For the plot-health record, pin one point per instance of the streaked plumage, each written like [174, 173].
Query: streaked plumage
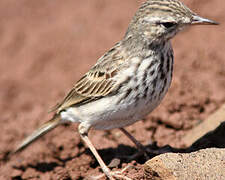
[130, 80]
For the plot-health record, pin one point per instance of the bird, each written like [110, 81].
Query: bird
[129, 81]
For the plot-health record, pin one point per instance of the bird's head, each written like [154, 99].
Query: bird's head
[160, 20]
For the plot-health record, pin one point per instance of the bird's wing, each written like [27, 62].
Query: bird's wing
[97, 82]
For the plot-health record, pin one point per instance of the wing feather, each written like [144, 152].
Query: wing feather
[98, 82]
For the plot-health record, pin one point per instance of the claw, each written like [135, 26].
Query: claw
[112, 175]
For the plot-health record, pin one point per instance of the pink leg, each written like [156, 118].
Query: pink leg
[83, 130]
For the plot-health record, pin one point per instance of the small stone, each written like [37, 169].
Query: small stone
[16, 173]
[114, 163]
[30, 173]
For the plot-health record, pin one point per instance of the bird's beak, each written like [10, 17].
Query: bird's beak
[197, 20]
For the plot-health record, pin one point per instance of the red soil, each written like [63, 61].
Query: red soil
[45, 46]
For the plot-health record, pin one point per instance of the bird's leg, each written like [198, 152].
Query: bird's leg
[83, 130]
[140, 147]
[143, 150]
[135, 141]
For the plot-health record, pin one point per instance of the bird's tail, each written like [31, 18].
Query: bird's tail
[46, 127]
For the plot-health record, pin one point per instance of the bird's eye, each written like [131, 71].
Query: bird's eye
[168, 24]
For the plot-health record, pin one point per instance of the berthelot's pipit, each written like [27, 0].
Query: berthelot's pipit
[130, 80]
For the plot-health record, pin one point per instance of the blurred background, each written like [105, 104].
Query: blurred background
[46, 46]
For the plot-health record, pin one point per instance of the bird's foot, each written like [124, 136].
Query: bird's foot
[112, 175]
[147, 152]
[136, 156]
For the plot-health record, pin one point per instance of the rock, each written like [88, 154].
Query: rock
[211, 123]
[207, 164]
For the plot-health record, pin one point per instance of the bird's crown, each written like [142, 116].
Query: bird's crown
[162, 19]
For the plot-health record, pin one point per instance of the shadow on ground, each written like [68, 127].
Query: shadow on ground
[114, 157]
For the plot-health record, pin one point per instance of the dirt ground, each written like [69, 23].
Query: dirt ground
[45, 46]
